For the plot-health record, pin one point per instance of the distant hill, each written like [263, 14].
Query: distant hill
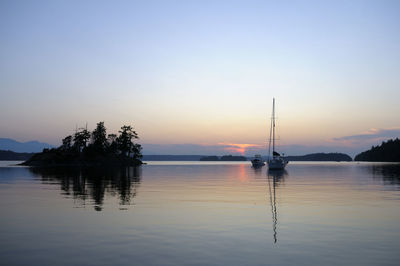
[223, 158]
[192, 158]
[233, 158]
[14, 156]
[210, 158]
[321, 157]
[388, 151]
[29, 146]
[308, 157]
[171, 157]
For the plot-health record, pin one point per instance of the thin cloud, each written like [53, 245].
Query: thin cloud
[201, 149]
[371, 135]
[238, 147]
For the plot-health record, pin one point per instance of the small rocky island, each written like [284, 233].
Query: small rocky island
[95, 148]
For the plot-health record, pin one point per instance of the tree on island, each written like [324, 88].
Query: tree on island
[99, 137]
[93, 148]
[66, 143]
[124, 141]
[81, 138]
[112, 143]
[388, 151]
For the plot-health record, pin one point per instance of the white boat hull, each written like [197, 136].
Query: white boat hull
[277, 164]
[257, 163]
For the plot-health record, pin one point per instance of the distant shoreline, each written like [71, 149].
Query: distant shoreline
[308, 157]
[12, 156]
[316, 157]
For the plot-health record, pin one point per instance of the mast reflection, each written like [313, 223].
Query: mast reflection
[274, 177]
[93, 183]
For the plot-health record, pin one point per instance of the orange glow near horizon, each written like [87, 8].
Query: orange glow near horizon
[242, 173]
[237, 147]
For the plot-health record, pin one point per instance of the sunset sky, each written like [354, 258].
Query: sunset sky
[198, 77]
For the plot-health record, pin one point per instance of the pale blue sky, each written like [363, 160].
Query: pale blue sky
[200, 72]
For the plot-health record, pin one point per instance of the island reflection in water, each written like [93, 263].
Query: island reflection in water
[92, 183]
[389, 173]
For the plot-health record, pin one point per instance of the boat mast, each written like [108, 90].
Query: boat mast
[270, 137]
[273, 125]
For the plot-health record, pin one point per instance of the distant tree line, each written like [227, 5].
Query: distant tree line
[388, 151]
[172, 157]
[223, 158]
[96, 146]
[336, 157]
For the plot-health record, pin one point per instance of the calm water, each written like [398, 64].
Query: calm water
[189, 213]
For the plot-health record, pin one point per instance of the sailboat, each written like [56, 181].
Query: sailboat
[276, 161]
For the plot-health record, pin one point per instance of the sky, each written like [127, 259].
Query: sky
[197, 77]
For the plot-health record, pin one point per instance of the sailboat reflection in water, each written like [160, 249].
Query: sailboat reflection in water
[274, 177]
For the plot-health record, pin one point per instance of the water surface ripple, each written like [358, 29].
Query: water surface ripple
[201, 213]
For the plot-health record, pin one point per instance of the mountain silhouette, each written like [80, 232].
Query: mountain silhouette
[29, 146]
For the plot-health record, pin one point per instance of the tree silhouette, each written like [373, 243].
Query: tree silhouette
[81, 137]
[112, 143]
[99, 137]
[137, 151]
[102, 150]
[66, 143]
[124, 140]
